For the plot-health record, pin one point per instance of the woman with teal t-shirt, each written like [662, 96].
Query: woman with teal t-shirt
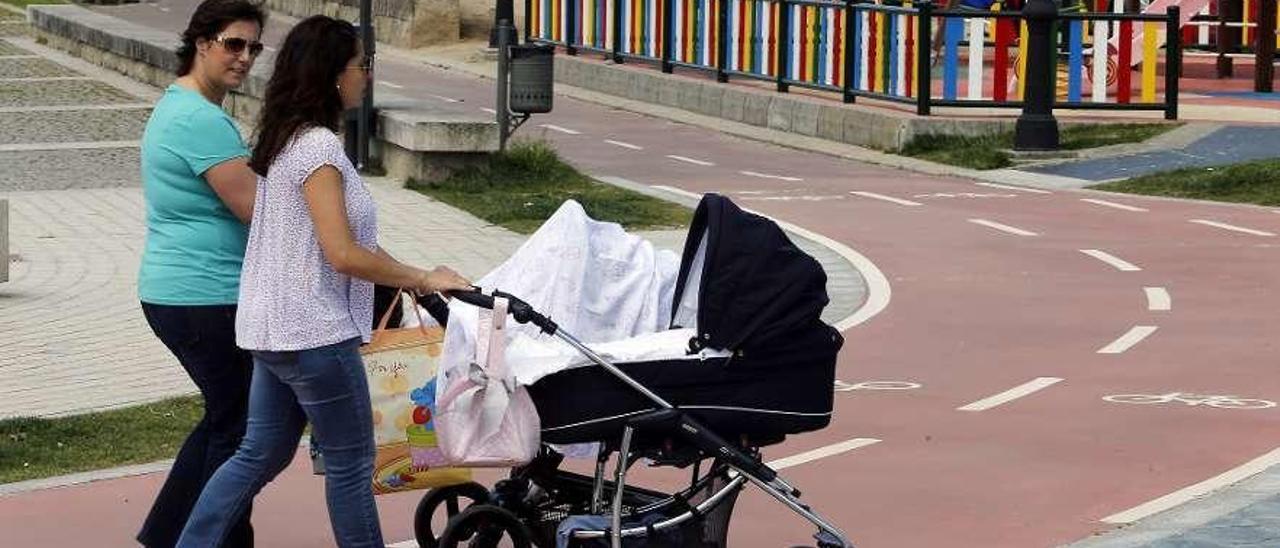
[199, 192]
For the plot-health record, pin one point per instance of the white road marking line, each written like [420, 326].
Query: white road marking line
[1011, 187]
[406, 544]
[879, 292]
[767, 176]
[445, 99]
[1003, 228]
[489, 110]
[1158, 298]
[1114, 205]
[690, 160]
[391, 85]
[1130, 338]
[564, 130]
[623, 145]
[821, 452]
[1235, 228]
[90, 145]
[1120, 264]
[1040, 383]
[41, 79]
[1192, 492]
[793, 198]
[875, 196]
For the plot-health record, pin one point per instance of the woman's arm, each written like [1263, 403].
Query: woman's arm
[323, 192]
[236, 185]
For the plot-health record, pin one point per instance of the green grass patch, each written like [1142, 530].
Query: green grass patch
[38, 448]
[520, 188]
[24, 3]
[1250, 183]
[992, 151]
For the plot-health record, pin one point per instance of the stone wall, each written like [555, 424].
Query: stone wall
[401, 23]
[4, 240]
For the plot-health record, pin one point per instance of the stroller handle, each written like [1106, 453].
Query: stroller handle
[521, 311]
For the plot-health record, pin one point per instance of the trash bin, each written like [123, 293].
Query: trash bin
[532, 78]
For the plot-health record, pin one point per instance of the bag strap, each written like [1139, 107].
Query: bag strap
[398, 301]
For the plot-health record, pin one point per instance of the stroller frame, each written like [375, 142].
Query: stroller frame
[668, 419]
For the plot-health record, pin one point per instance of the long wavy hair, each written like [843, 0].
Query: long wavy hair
[210, 18]
[303, 91]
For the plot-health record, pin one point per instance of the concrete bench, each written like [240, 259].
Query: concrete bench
[414, 139]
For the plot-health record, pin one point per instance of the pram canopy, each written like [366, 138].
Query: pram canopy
[752, 283]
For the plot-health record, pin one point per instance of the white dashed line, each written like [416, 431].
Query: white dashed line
[1192, 492]
[1158, 298]
[1234, 228]
[1126, 341]
[1011, 187]
[1011, 394]
[563, 130]
[690, 160]
[875, 196]
[767, 176]
[624, 145]
[1114, 205]
[489, 110]
[1003, 228]
[1112, 260]
[445, 99]
[391, 85]
[821, 452]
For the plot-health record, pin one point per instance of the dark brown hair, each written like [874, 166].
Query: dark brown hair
[302, 92]
[212, 17]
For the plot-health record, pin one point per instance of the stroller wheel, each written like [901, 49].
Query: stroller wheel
[486, 526]
[452, 499]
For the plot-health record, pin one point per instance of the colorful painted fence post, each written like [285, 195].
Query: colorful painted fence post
[1173, 63]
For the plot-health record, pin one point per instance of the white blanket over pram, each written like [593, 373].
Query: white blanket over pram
[593, 279]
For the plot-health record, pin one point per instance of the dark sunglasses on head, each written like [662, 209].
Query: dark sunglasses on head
[236, 46]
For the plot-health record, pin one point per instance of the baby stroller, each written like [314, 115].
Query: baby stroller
[756, 296]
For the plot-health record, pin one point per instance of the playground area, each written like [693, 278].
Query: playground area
[953, 56]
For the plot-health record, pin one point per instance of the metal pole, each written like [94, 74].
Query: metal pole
[1228, 35]
[505, 9]
[924, 68]
[1265, 65]
[366, 107]
[617, 31]
[668, 20]
[571, 28]
[1172, 62]
[722, 50]
[847, 44]
[1037, 129]
[504, 30]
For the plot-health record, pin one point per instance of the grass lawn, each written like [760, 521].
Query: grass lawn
[24, 3]
[992, 151]
[39, 448]
[521, 188]
[1252, 183]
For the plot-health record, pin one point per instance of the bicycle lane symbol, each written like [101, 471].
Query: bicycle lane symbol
[841, 386]
[1192, 400]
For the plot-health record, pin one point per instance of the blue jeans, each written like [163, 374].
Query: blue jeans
[326, 386]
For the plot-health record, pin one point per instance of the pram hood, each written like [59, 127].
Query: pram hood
[752, 282]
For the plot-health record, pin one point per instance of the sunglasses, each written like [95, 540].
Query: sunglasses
[236, 46]
[366, 65]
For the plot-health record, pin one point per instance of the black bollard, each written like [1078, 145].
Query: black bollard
[1037, 129]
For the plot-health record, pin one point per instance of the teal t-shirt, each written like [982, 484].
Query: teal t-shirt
[195, 245]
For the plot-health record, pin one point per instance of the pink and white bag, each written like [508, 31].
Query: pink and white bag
[484, 418]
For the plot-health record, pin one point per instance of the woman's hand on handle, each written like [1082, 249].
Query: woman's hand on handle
[441, 279]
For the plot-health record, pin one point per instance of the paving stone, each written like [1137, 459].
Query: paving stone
[9, 49]
[69, 169]
[33, 68]
[73, 126]
[25, 94]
